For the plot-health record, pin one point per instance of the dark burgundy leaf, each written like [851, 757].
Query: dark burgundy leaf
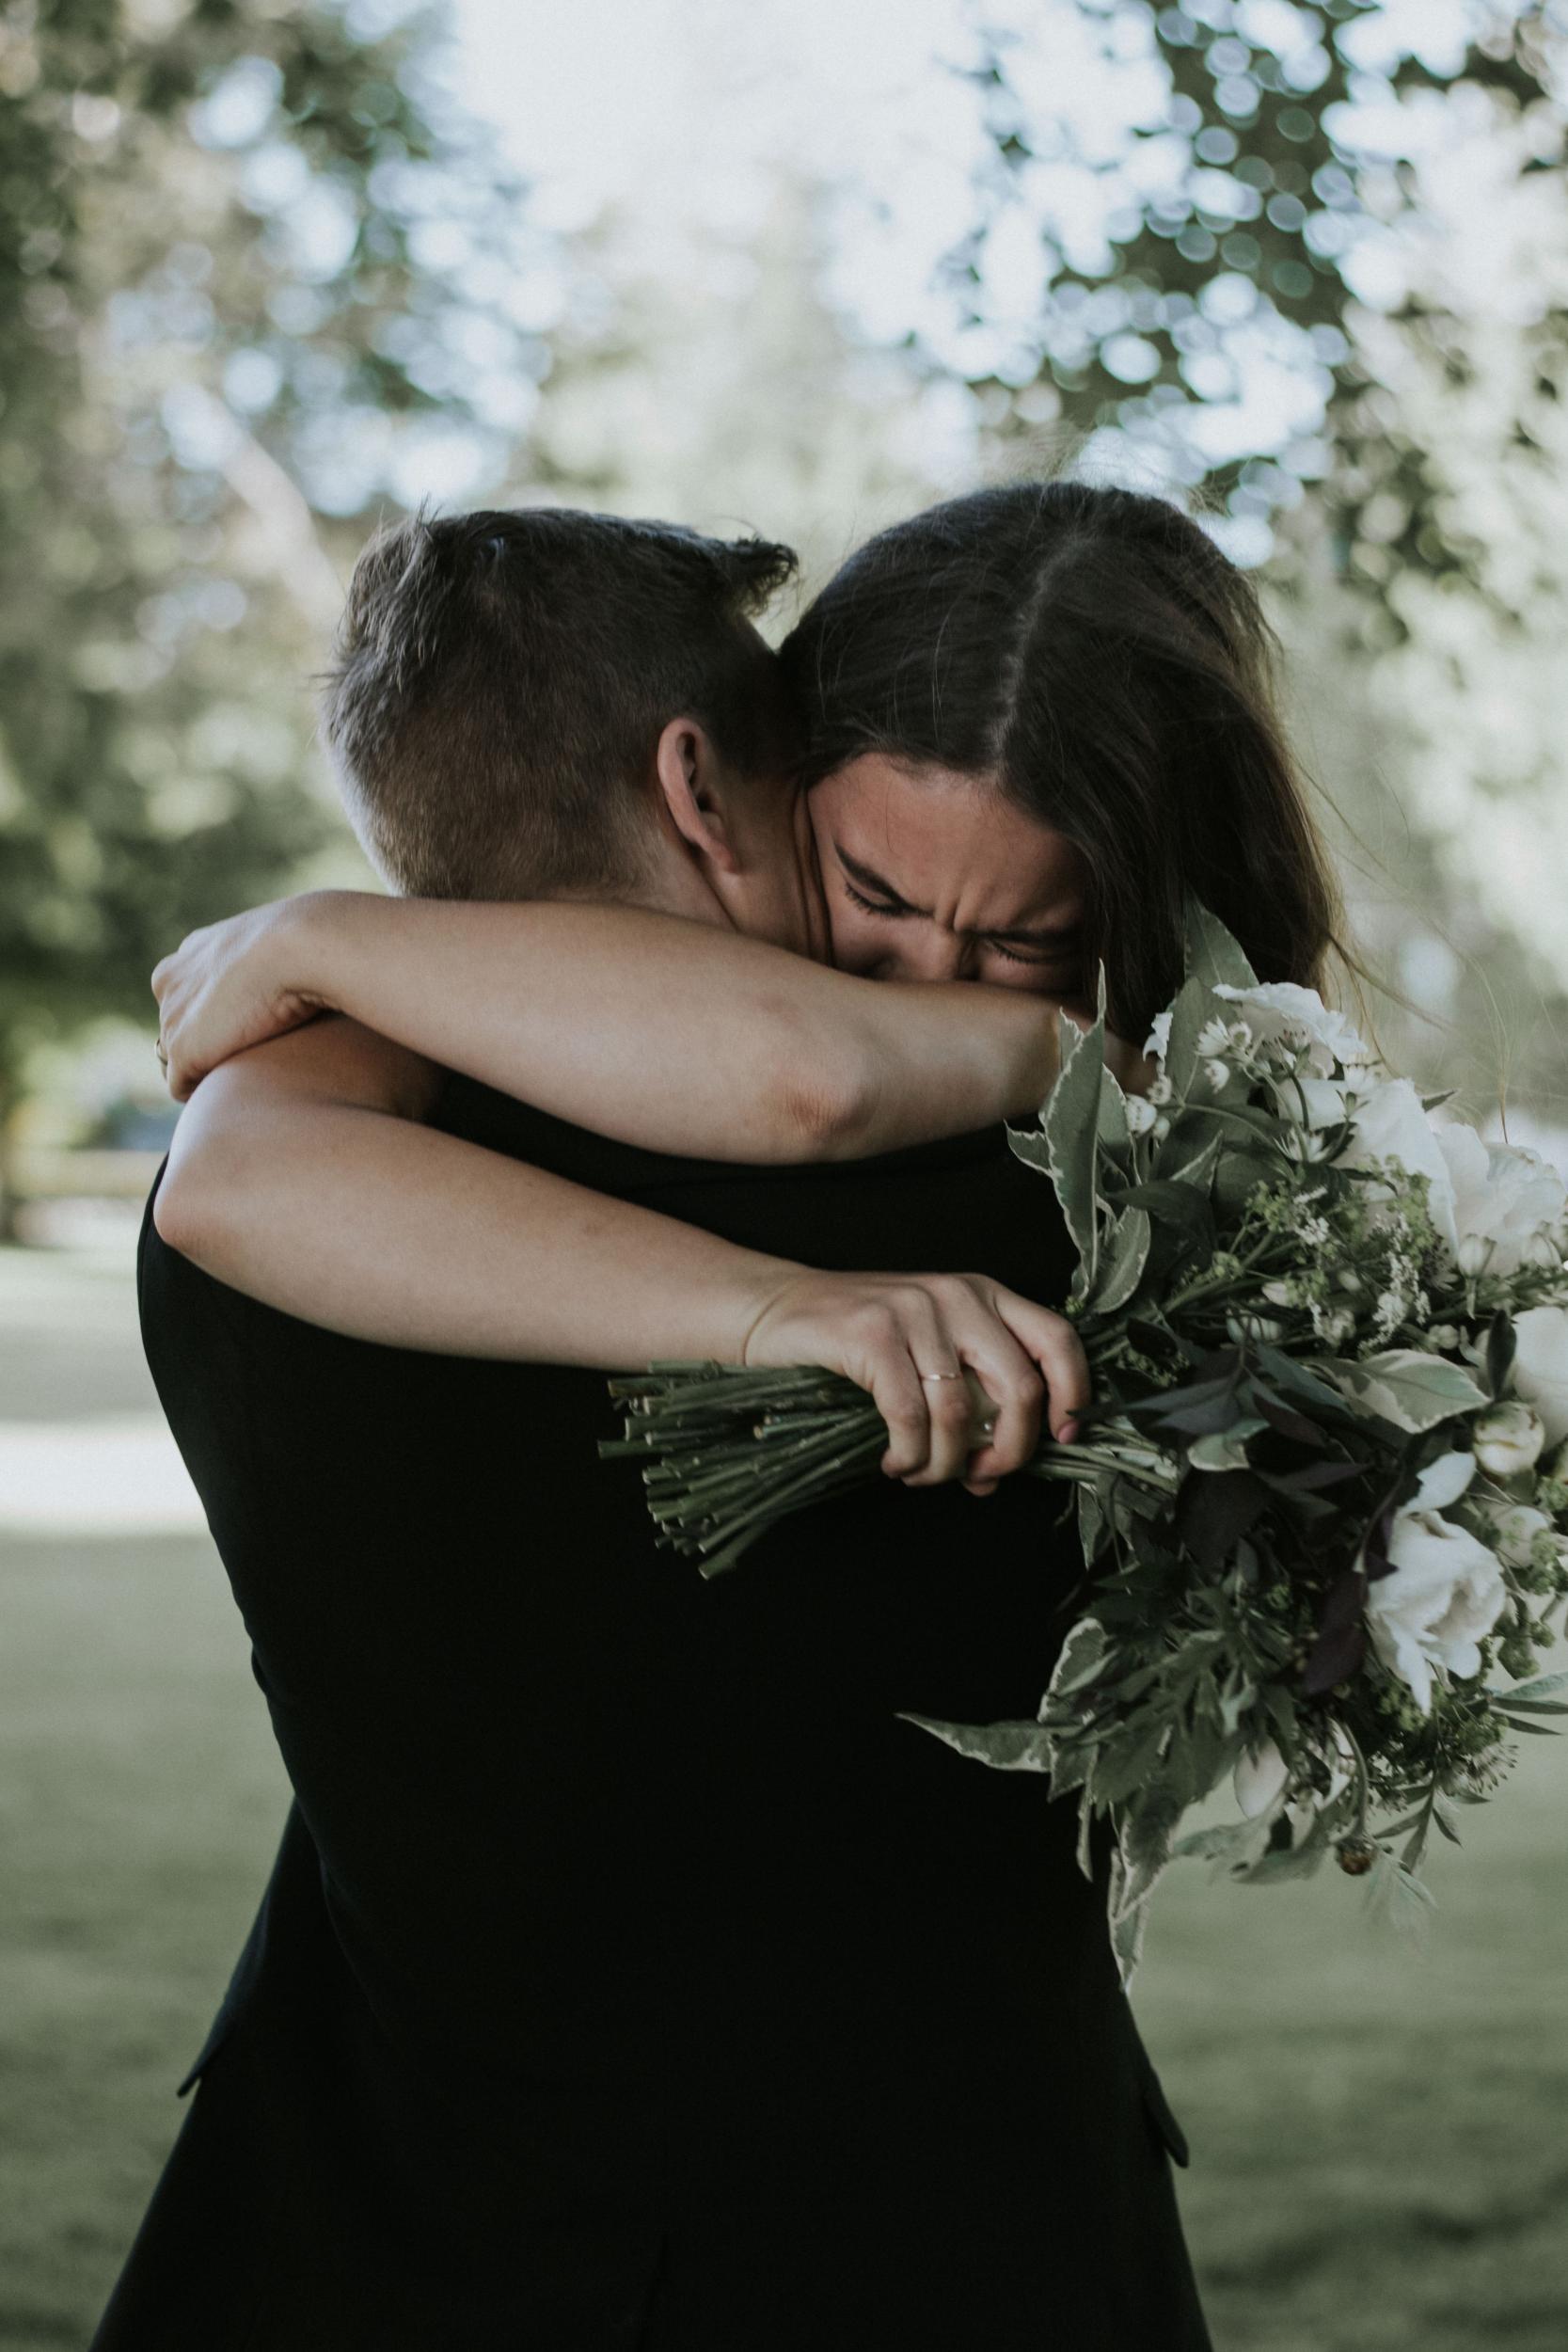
[1313, 1476]
[1215, 1509]
[1341, 1643]
[1289, 1423]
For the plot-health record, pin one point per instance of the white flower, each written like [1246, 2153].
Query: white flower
[1334, 1325]
[1318, 1101]
[1160, 1088]
[1516, 1531]
[1391, 1125]
[1303, 1145]
[1218, 1074]
[1279, 1008]
[1502, 1196]
[1446, 1591]
[1443, 1481]
[1445, 1337]
[1141, 1114]
[1158, 1041]
[1258, 1777]
[1214, 1039]
[1509, 1439]
[1541, 1366]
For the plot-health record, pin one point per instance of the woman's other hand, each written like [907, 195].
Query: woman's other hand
[909, 1340]
[232, 985]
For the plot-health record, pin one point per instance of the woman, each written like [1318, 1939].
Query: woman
[1037, 719]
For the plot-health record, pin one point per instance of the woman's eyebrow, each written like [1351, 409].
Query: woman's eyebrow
[870, 881]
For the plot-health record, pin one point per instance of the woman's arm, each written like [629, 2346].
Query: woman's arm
[298, 1175]
[672, 1035]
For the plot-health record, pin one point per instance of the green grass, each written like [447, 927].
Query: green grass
[1380, 2149]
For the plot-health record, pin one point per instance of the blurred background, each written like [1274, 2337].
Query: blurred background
[272, 269]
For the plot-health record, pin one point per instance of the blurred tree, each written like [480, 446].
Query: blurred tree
[710, 379]
[246, 255]
[1188, 210]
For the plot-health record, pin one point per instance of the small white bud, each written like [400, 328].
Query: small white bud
[1509, 1439]
[1475, 1255]
[1516, 1532]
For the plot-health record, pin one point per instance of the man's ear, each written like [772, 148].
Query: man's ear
[691, 786]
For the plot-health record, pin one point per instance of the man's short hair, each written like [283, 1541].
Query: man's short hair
[500, 681]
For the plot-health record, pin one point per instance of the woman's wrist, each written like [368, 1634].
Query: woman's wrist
[321, 941]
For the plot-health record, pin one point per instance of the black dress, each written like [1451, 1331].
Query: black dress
[630, 1975]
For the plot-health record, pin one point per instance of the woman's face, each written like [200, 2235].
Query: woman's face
[930, 875]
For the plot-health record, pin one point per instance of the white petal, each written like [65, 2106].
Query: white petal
[1259, 1779]
[1443, 1481]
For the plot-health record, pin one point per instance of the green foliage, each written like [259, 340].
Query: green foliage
[1243, 211]
[213, 290]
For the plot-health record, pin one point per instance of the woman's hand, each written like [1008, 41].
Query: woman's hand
[232, 985]
[910, 1339]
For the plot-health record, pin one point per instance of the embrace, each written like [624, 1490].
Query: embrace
[630, 1973]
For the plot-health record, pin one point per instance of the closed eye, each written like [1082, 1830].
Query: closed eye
[872, 906]
[1044, 959]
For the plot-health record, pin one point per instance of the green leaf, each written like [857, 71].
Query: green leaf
[1186, 1159]
[1006, 1747]
[1122, 1262]
[1092, 1525]
[1225, 1449]
[1125, 1764]
[1115, 1136]
[1227, 1842]
[1071, 1125]
[1082, 1660]
[1544, 1687]
[1128, 1923]
[1213, 955]
[1194, 1007]
[1407, 1387]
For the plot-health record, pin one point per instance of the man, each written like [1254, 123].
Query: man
[507, 2060]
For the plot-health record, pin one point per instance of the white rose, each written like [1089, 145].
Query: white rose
[1541, 1366]
[1323, 1101]
[1258, 1777]
[1443, 1481]
[1501, 1195]
[1445, 1592]
[1279, 1009]
[1508, 1438]
[1391, 1125]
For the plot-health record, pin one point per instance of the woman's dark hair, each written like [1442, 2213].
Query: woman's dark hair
[1091, 651]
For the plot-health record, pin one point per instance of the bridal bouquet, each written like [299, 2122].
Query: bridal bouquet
[1324, 1490]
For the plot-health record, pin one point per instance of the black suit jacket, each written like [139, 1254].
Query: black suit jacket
[630, 1973]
